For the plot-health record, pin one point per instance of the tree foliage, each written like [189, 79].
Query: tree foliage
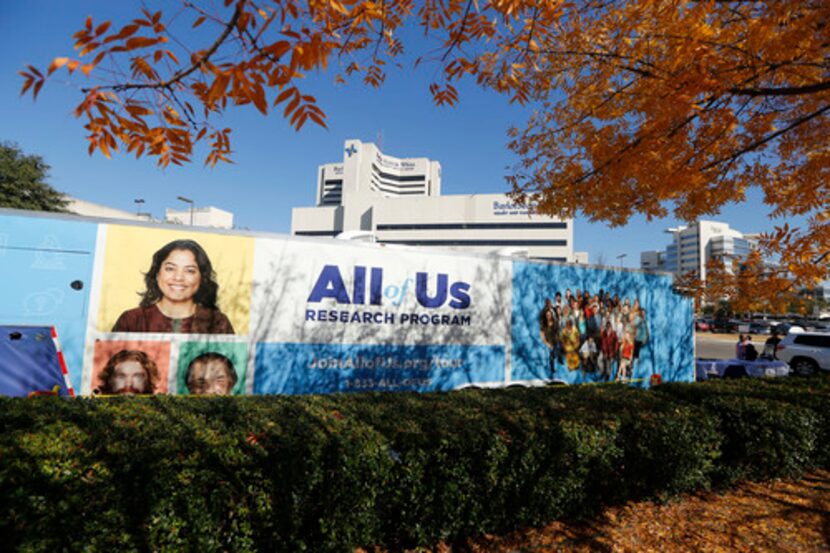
[637, 106]
[23, 181]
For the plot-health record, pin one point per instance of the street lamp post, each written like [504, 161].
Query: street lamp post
[138, 203]
[187, 201]
[621, 257]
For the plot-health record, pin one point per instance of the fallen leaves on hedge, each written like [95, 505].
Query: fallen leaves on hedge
[754, 517]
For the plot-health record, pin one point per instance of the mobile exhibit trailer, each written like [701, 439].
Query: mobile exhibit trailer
[296, 315]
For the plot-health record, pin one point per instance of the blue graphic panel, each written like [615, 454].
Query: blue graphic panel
[324, 368]
[668, 351]
[46, 271]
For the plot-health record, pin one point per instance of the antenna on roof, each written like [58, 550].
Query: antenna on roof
[379, 139]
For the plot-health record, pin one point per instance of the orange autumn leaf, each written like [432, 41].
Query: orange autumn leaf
[56, 64]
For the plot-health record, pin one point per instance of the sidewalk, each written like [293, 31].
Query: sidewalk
[731, 337]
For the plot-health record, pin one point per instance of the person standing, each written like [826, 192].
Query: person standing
[750, 353]
[557, 302]
[739, 347]
[771, 346]
[640, 331]
[618, 325]
[548, 306]
[581, 325]
[626, 357]
[570, 345]
[588, 354]
[549, 329]
[609, 346]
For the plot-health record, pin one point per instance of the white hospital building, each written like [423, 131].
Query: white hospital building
[399, 200]
[693, 246]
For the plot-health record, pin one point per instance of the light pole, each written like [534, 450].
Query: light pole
[138, 203]
[187, 201]
[621, 257]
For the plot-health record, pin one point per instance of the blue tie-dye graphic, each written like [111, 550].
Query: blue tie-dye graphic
[668, 351]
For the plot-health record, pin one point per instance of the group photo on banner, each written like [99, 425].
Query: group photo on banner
[578, 324]
[593, 332]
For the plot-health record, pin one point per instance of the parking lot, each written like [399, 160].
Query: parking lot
[721, 346]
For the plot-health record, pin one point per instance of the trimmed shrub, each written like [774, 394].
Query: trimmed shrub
[669, 449]
[331, 473]
[770, 428]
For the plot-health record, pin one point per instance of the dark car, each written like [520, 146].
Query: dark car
[702, 325]
[760, 327]
[784, 328]
[725, 326]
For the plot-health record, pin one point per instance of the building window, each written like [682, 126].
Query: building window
[317, 232]
[477, 242]
[468, 226]
[398, 178]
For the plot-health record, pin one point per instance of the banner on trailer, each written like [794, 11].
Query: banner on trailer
[587, 324]
[342, 317]
[271, 315]
[152, 309]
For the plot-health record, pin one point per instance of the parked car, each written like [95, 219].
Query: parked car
[785, 328]
[723, 325]
[760, 327]
[702, 325]
[816, 325]
[806, 352]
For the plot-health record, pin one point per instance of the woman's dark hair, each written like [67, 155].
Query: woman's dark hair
[149, 366]
[205, 295]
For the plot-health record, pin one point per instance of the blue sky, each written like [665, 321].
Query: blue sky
[275, 166]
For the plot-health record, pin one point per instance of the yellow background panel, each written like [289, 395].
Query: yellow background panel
[129, 254]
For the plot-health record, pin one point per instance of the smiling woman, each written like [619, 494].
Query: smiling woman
[180, 295]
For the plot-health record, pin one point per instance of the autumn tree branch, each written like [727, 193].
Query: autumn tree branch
[179, 76]
[456, 40]
[772, 136]
[782, 91]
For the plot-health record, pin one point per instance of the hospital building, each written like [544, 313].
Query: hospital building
[399, 201]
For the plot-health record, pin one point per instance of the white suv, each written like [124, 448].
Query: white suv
[806, 352]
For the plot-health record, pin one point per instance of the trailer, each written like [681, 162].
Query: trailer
[183, 310]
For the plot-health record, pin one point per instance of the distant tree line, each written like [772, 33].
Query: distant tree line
[23, 181]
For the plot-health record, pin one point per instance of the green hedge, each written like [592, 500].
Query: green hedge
[330, 473]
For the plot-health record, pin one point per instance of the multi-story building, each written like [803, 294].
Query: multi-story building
[692, 247]
[653, 260]
[399, 200]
